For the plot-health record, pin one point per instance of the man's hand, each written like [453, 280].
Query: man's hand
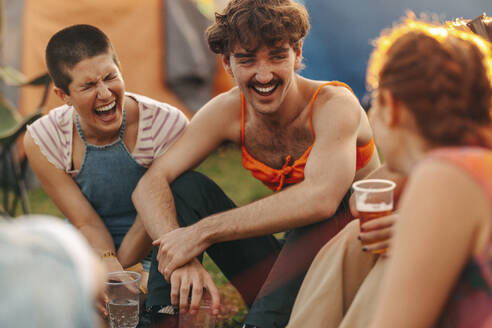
[193, 276]
[377, 233]
[177, 248]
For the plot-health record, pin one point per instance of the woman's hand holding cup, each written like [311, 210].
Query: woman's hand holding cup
[374, 207]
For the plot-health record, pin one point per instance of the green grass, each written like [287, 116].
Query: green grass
[41, 204]
[225, 168]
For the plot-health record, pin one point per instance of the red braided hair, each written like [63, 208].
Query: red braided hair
[441, 75]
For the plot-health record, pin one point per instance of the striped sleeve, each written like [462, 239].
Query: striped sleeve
[160, 125]
[53, 133]
[168, 130]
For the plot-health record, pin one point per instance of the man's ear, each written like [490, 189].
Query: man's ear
[298, 53]
[226, 61]
[62, 95]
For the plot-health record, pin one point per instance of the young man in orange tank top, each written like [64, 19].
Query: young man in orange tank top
[261, 44]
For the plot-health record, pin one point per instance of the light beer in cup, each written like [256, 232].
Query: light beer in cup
[373, 199]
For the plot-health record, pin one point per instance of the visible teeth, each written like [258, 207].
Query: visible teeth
[265, 90]
[105, 108]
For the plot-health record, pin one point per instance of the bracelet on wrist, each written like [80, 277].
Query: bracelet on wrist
[108, 253]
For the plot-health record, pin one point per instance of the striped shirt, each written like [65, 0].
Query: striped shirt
[159, 125]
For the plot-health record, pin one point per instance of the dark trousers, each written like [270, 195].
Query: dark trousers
[267, 275]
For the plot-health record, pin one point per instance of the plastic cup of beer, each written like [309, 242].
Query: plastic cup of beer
[373, 199]
[122, 288]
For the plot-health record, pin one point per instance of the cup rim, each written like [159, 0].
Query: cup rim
[137, 276]
[391, 186]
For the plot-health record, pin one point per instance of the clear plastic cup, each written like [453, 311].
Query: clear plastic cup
[122, 288]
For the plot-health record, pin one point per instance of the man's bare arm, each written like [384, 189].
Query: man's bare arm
[329, 173]
[152, 197]
[154, 201]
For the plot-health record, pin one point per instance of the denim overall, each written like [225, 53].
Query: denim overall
[107, 177]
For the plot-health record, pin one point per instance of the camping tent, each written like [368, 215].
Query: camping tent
[159, 43]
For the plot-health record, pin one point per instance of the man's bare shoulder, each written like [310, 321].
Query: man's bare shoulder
[227, 102]
[329, 94]
[337, 103]
[223, 112]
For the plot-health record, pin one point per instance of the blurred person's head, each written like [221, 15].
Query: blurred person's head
[431, 88]
[50, 276]
[250, 24]
[86, 74]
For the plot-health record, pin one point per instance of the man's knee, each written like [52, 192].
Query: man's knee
[189, 180]
[195, 185]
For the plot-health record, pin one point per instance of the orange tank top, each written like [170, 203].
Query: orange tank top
[276, 179]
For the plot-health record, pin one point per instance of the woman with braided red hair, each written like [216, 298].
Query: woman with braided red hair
[432, 95]
[431, 115]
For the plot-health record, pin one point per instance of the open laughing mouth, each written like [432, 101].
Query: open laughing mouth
[265, 90]
[106, 109]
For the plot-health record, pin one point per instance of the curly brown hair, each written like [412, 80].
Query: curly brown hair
[253, 23]
[442, 75]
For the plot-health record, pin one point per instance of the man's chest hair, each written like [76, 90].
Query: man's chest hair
[272, 146]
